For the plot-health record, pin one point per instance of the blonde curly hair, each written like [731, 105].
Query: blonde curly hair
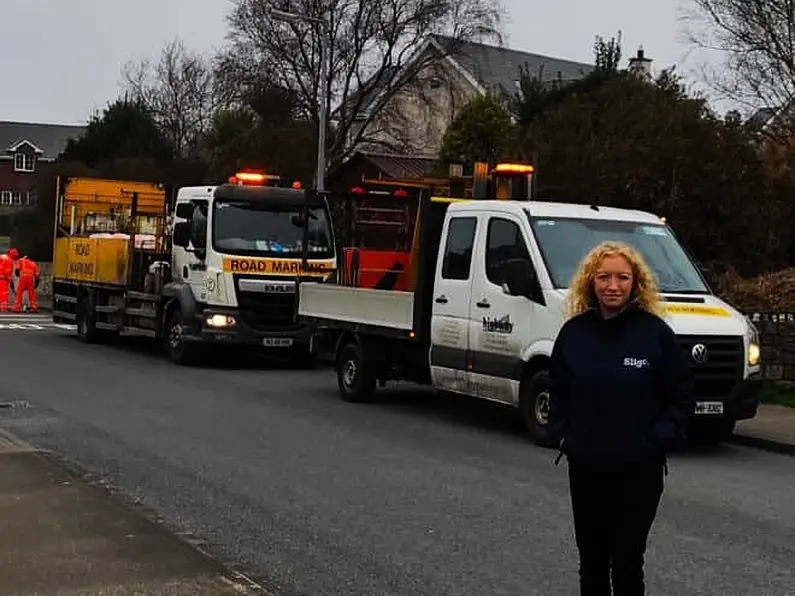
[644, 291]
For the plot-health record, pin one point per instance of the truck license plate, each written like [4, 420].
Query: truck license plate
[709, 407]
[277, 342]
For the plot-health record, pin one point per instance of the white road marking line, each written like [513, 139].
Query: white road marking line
[33, 325]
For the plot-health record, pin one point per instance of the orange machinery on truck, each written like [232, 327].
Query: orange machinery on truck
[378, 227]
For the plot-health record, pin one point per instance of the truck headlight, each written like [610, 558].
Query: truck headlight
[220, 321]
[754, 351]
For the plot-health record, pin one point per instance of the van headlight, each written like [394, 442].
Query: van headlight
[754, 355]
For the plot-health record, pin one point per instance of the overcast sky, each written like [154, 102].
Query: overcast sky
[61, 59]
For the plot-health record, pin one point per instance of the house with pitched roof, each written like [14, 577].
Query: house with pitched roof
[444, 74]
[23, 147]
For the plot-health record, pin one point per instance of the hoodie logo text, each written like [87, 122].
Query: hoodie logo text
[636, 362]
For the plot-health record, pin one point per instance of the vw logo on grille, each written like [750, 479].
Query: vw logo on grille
[700, 353]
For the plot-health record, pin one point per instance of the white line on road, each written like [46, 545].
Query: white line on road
[32, 322]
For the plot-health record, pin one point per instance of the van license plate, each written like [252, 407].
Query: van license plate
[277, 342]
[709, 407]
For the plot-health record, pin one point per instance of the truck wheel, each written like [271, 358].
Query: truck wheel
[179, 351]
[86, 322]
[356, 383]
[534, 406]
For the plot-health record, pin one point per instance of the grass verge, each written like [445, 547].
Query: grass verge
[780, 394]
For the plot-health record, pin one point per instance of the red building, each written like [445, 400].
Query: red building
[23, 148]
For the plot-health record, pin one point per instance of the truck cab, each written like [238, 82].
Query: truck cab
[238, 251]
[492, 275]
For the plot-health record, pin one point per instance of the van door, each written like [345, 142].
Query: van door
[502, 324]
[450, 314]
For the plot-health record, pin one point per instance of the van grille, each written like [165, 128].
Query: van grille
[722, 369]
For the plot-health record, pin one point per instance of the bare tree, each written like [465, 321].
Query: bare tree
[757, 38]
[179, 90]
[370, 43]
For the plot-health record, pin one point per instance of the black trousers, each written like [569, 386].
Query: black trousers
[613, 514]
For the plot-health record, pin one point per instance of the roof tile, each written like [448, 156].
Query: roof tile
[50, 138]
[400, 166]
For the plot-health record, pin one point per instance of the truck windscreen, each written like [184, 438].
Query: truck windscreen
[565, 241]
[261, 230]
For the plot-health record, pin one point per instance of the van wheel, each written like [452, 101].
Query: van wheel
[534, 404]
[355, 381]
[179, 351]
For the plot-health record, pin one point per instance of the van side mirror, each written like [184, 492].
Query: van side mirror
[518, 277]
[181, 236]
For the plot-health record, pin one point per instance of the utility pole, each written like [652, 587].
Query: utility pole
[325, 67]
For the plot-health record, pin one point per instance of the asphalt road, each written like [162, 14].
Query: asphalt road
[418, 495]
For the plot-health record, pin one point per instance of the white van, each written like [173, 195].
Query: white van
[491, 284]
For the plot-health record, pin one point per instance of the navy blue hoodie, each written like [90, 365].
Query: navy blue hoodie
[621, 389]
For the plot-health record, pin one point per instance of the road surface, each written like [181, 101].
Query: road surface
[417, 495]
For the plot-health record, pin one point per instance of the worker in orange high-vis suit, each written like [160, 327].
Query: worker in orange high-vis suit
[28, 272]
[6, 279]
[7, 265]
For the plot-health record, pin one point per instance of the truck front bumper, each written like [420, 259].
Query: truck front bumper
[227, 326]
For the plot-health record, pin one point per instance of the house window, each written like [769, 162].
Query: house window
[5, 197]
[24, 162]
[32, 197]
[17, 197]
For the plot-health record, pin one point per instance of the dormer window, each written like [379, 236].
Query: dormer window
[24, 162]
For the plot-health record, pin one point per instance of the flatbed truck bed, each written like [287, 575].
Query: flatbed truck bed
[391, 311]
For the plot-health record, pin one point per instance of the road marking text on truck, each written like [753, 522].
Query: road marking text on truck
[82, 249]
[81, 269]
[275, 266]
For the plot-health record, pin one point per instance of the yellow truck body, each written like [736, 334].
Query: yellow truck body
[96, 231]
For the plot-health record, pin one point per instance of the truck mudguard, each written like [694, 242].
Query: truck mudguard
[182, 293]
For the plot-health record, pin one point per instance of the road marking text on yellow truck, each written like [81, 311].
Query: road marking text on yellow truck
[276, 266]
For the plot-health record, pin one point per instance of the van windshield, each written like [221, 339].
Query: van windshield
[565, 241]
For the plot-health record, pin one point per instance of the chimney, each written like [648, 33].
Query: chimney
[640, 65]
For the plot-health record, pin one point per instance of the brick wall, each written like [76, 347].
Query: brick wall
[778, 344]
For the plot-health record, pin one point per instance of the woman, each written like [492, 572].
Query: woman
[620, 399]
